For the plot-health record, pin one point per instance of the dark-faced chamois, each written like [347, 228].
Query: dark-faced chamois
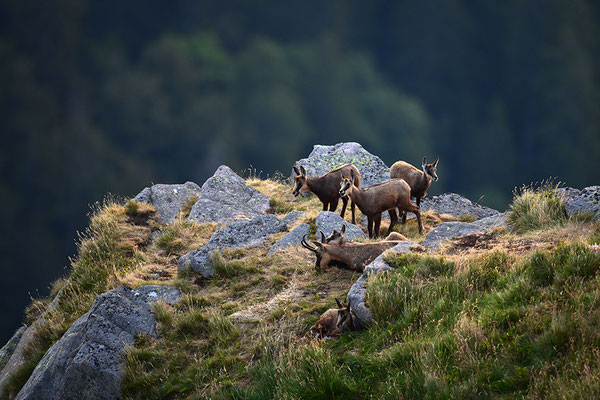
[419, 181]
[349, 255]
[336, 321]
[338, 237]
[326, 187]
[385, 196]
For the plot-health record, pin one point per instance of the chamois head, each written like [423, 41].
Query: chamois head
[346, 184]
[344, 321]
[300, 185]
[336, 237]
[430, 169]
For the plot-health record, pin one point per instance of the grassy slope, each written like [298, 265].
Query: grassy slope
[500, 315]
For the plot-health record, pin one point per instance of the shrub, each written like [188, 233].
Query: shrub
[537, 208]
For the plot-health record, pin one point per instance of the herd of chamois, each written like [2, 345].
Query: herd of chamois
[343, 183]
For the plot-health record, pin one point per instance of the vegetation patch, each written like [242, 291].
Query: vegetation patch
[535, 208]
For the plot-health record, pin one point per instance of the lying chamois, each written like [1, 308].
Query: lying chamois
[325, 187]
[337, 237]
[419, 181]
[374, 200]
[354, 256]
[336, 321]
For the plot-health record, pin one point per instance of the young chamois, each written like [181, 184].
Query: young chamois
[385, 196]
[350, 255]
[419, 181]
[337, 237]
[336, 321]
[325, 187]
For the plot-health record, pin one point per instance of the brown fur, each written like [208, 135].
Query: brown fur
[381, 197]
[326, 187]
[418, 180]
[335, 321]
[355, 256]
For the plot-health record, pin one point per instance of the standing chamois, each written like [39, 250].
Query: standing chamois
[326, 186]
[385, 196]
[419, 181]
[350, 255]
[336, 321]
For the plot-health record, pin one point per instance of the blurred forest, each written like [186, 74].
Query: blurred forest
[110, 96]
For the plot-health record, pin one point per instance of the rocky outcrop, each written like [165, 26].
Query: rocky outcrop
[358, 291]
[238, 234]
[292, 217]
[456, 205]
[87, 362]
[499, 220]
[168, 199]
[9, 348]
[294, 237]
[225, 196]
[585, 201]
[325, 158]
[327, 221]
[449, 230]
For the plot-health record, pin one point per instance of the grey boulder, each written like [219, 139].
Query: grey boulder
[88, 362]
[168, 199]
[449, 230]
[325, 158]
[357, 294]
[241, 233]
[292, 217]
[225, 196]
[294, 237]
[9, 348]
[499, 220]
[456, 205]
[585, 201]
[327, 221]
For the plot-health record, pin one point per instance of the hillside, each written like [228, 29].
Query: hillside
[505, 305]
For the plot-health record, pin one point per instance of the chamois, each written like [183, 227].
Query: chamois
[325, 187]
[353, 256]
[336, 321]
[419, 181]
[378, 198]
[337, 237]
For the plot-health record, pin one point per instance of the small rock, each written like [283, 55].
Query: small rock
[168, 199]
[325, 158]
[586, 201]
[225, 197]
[241, 233]
[449, 230]
[327, 221]
[495, 221]
[292, 217]
[292, 238]
[88, 362]
[456, 205]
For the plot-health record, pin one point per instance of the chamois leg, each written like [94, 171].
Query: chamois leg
[333, 205]
[417, 212]
[402, 216]
[377, 219]
[325, 206]
[370, 226]
[393, 220]
[352, 208]
[344, 204]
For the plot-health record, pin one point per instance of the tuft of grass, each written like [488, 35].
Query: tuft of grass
[537, 208]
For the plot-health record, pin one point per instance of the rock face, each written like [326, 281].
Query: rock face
[325, 158]
[168, 199]
[9, 348]
[456, 205]
[358, 291]
[327, 221]
[499, 220]
[225, 197]
[581, 201]
[449, 230]
[291, 239]
[292, 217]
[238, 234]
[87, 362]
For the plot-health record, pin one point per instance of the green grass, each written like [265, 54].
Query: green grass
[537, 208]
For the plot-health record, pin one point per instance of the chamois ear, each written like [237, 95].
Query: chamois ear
[338, 303]
[424, 161]
[352, 176]
[303, 171]
[296, 170]
[343, 229]
[322, 237]
[436, 161]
